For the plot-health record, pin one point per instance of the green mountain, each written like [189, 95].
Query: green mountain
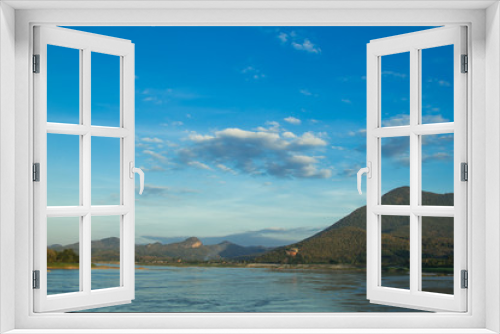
[345, 241]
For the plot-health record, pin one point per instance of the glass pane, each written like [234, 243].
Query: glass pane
[395, 89]
[437, 170]
[437, 84]
[63, 170]
[105, 252]
[437, 254]
[396, 251]
[395, 168]
[105, 171]
[105, 90]
[63, 248]
[63, 85]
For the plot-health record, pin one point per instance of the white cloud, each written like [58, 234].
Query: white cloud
[347, 101]
[225, 168]
[307, 46]
[434, 119]
[339, 148]
[272, 126]
[256, 153]
[253, 73]
[154, 155]
[293, 39]
[288, 134]
[397, 120]
[199, 165]
[293, 120]
[152, 140]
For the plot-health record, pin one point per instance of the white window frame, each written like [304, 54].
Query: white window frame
[86, 44]
[483, 124]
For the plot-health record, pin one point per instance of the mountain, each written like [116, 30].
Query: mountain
[191, 249]
[345, 241]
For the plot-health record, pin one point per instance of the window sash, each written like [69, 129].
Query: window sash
[86, 297]
[413, 43]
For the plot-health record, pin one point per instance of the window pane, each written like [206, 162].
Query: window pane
[105, 252]
[105, 90]
[437, 84]
[395, 168]
[105, 171]
[437, 254]
[395, 89]
[63, 85]
[396, 251]
[437, 169]
[63, 170]
[63, 248]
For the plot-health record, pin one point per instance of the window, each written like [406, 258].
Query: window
[228, 147]
[481, 280]
[72, 144]
[414, 217]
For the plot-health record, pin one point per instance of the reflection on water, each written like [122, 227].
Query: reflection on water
[202, 289]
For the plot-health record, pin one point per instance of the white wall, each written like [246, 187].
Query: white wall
[7, 160]
[492, 156]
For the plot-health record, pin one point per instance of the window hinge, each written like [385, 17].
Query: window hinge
[465, 64]
[36, 279]
[36, 63]
[464, 171]
[36, 172]
[465, 279]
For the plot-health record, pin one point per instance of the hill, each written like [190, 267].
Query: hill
[191, 249]
[345, 241]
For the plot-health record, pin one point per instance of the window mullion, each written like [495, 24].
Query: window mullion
[85, 178]
[414, 170]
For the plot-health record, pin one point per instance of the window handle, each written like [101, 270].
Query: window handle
[139, 171]
[368, 171]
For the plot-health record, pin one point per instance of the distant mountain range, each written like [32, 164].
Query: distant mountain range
[191, 249]
[342, 243]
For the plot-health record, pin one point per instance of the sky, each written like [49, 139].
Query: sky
[251, 134]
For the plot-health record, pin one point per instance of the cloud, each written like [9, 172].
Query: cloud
[155, 155]
[434, 118]
[166, 95]
[225, 168]
[347, 101]
[397, 149]
[288, 134]
[404, 119]
[251, 72]
[307, 92]
[297, 42]
[272, 126]
[340, 148]
[394, 74]
[199, 165]
[397, 120]
[257, 153]
[306, 45]
[438, 156]
[153, 169]
[162, 191]
[152, 140]
[293, 120]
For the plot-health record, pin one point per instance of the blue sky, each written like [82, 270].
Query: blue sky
[249, 131]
